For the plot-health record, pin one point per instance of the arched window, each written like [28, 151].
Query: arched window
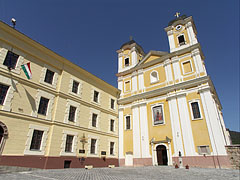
[154, 77]
[3, 135]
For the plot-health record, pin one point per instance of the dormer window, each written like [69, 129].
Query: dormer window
[126, 61]
[181, 40]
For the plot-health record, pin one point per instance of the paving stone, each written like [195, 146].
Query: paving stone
[126, 173]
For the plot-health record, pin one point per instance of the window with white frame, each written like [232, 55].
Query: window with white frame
[128, 122]
[43, 106]
[11, 60]
[112, 122]
[96, 96]
[181, 40]
[75, 87]
[44, 102]
[112, 103]
[126, 62]
[158, 114]
[127, 86]
[7, 89]
[112, 148]
[49, 76]
[187, 67]
[93, 146]
[154, 77]
[69, 143]
[3, 92]
[195, 110]
[36, 141]
[94, 120]
[204, 150]
[72, 113]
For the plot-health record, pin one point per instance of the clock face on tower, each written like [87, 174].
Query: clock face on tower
[178, 27]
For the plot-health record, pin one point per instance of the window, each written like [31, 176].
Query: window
[203, 150]
[158, 115]
[111, 125]
[126, 61]
[181, 40]
[128, 122]
[187, 68]
[11, 60]
[154, 77]
[95, 96]
[36, 140]
[127, 86]
[112, 103]
[72, 111]
[75, 87]
[3, 93]
[195, 110]
[49, 76]
[42, 109]
[93, 146]
[111, 148]
[69, 141]
[94, 120]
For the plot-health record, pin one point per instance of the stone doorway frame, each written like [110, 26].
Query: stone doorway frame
[167, 144]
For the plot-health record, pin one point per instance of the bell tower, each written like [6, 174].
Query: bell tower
[181, 32]
[129, 54]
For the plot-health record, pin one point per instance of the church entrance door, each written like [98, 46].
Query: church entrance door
[162, 155]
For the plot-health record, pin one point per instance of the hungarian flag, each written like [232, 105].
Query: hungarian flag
[27, 70]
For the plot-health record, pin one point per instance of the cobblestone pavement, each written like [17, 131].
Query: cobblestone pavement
[139, 173]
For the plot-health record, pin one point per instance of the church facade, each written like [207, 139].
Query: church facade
[169, 111]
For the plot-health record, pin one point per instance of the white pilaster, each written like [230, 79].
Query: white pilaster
[136, 132]
[134, 56]
[134, 81]
[186, 126]
[171, 40]
[141, 79]
[120, 63]
[176, 68]
[175, 123]
[191, 34]
[144, 131]
[168, 70]
[198, 60]
[120, 128]
[213, 124]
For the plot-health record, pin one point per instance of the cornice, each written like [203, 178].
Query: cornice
[164, 90]
[52, 122]
[161, 58]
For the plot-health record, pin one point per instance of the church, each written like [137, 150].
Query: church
[54, 114]
[169, 111]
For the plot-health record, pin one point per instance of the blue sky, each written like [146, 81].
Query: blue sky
[88, 33]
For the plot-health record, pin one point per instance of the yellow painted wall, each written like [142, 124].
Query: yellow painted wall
[175, 35]
[159, 132]
[127, 134]
[199, 127]
[151, 58]
[161, 76]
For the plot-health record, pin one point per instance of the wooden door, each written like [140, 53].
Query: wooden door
[162, 155]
